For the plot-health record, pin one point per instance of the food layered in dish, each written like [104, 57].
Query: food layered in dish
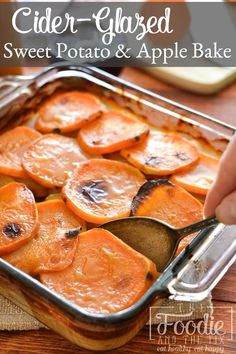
[106, 275]
[80, 162]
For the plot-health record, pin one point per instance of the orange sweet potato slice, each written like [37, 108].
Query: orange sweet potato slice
[18, 216]
[53, 248]
[200, 178]
[100, 190]
[162, 154]
[111, 132]
[13, 144]
[170, 203]
[51, 158]
[185, 242]
[38, 190]
[5, 180]
[106, 275]
[68, 111]
[53, 196]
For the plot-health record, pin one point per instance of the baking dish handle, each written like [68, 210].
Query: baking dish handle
[14, 92]
[198, 268]
[9, 84]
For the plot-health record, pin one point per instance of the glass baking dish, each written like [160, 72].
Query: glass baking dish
[193, 273]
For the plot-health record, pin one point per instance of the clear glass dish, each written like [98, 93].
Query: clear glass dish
[192, 274]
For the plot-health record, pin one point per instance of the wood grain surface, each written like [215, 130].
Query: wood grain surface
[223, 106]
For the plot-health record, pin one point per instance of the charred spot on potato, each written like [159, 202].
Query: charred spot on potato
[12, 230]
[73, 232]
[137, 138]
[94, 191]
[153, 160]
[181, 156]
[149, 276]
[145, 190]
[97, 142]
[56, 131]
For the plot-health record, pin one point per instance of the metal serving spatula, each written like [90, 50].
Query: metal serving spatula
[153, 238]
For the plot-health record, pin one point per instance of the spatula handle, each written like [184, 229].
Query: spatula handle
[197, 226]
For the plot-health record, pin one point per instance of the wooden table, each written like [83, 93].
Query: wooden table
[223, 106]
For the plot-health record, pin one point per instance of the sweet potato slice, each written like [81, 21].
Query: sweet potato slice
[38, 190]
[18, 216]
[5, 180]
[170, 203]
[184, 243]
[111, 132]
[106, 275]
[68, 111]
[162, 154]
[100, 190]
[53, 248]
[13, 144]
[50, 159]
[53, 196]
[200, 178]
